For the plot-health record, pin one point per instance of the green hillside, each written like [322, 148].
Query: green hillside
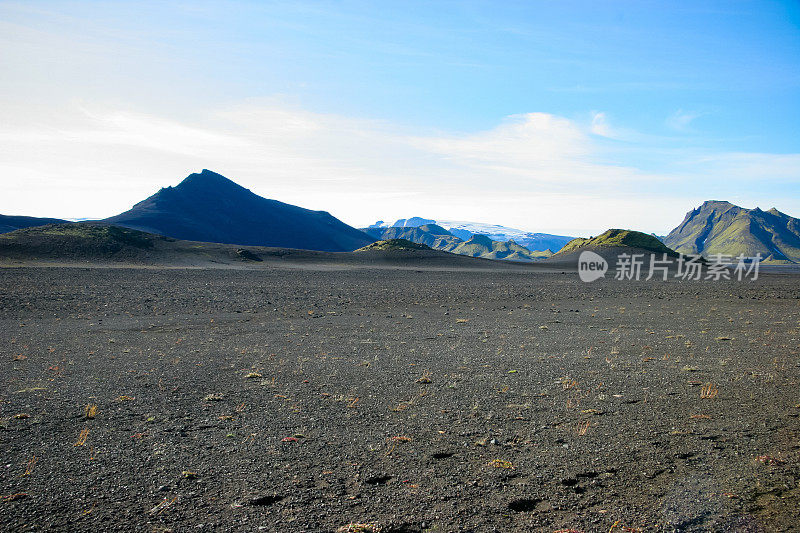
[723, 228]
[618, 238]
[439, 238]
[394, 244]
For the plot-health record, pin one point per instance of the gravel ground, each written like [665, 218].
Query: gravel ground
[308, 400]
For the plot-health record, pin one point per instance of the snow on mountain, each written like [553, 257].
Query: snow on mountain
[465, 230]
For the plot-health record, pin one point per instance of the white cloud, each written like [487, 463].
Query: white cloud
[757, 167]
[600, 125]
[681, 120]
[534, 171]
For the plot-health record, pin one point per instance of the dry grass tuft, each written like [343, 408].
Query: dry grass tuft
[360, 528]
[14, 497]
[124, 398]
[501, 463]
[708, 391]
[90, 411]
[82, 437]
[29, 467]
[620, 527]
[425, 378]
[567, 384]
[166, 502]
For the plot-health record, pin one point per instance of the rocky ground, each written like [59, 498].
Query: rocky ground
[396, 400]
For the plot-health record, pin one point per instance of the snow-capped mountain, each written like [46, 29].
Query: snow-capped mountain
[465, 230]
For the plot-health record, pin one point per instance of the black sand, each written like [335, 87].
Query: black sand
[307, 399]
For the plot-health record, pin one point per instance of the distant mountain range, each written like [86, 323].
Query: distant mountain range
[209, 207]
[465, 230]
[723, 228]
[82, 243]
[476, 245]
[12, 223]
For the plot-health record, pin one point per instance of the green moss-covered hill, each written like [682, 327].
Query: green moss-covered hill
[79, 239]
[723, 228]
[619, 238]
[394, 244]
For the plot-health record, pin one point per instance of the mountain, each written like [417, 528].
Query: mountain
[96, 243]
[209, 207]
[483, 246]
[12, 223]
[412, 222]
[614, 242]
[718, 227]
[439, 238]
[465, 230]
[394, 245]
[429, 234]
[84, 241]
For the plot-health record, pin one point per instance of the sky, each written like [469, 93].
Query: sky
[565, 117]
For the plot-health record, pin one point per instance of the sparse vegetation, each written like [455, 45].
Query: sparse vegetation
[708, 391]
[618, 238]
[425, 378]
[82, 437]
[501, 463]
[214, 397]
[90, 411]
[395, 245]
[356, 527]
[29, 466]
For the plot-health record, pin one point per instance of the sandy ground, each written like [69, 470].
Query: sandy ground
[406, 400]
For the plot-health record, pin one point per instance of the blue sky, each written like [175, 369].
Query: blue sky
[556, 116]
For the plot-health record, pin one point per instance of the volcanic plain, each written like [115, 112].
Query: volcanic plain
[323, 397]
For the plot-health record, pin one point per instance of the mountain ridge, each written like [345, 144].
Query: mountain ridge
[477, 245]
[465, 230]
[720, 227]
[12, 223]
[209, 207]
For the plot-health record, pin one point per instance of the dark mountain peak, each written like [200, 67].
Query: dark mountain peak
[209, 207]
[209, 181]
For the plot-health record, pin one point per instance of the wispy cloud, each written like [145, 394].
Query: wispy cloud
[600, 125]
[681, 120]
[537, 171]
